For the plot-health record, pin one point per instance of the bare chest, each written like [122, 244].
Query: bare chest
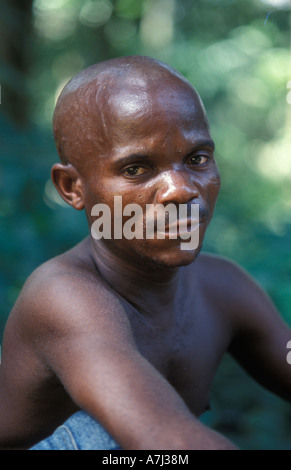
[187, 351]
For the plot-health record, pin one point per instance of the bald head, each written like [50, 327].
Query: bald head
[85, 119]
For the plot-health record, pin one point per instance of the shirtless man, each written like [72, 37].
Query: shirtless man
[132, 331]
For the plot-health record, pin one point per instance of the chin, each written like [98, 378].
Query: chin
[172, 259]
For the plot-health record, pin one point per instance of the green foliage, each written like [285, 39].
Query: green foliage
[238, 59]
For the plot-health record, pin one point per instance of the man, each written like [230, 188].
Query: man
[131, 331]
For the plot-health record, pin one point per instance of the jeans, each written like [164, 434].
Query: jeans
[79, 432]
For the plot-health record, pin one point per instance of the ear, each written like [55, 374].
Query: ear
[68, 183]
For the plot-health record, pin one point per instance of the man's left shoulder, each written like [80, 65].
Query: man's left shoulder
[235, 290]
[221, 270]
[229, 283]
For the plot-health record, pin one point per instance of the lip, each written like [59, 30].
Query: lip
[181, 227]
[183, 223]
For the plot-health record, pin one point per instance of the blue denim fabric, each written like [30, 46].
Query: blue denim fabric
[79, 432]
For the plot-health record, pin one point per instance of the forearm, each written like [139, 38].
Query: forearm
[147, 416]
[205, 438]
[135, 404]
[192, 435]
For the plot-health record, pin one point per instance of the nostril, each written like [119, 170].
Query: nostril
[176, 189]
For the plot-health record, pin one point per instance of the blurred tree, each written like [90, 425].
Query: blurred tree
[15, 35]
[237, 55]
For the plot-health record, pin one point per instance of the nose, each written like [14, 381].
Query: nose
[176, 187]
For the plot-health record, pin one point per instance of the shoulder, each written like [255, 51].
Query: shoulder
[233, 289]
[235, 292]
[65, 297]
[209, 260]
[224, 275]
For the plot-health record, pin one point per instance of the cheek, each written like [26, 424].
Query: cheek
[215, 186]
[212, 190]
[96, 195]
[115, 199]
[214, 182]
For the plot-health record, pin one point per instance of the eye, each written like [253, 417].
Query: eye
[134, 170]
[198, 160]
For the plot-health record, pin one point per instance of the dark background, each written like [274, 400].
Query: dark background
[237, 54]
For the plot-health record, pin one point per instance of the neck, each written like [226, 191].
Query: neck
[145, 285]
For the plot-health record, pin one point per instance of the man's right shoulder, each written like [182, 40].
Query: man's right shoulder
[61, 297]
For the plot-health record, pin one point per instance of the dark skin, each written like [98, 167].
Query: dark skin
[132, 331]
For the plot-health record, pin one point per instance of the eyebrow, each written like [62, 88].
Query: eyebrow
[127, 159]
[204, 143]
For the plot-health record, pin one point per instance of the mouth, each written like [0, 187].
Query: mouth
[180, 228]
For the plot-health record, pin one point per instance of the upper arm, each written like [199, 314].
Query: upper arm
[86, 340]
[83, 335]
[260, 334]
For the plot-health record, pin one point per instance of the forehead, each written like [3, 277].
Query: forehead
[142, 108]
[142, 116]
[114, 110]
